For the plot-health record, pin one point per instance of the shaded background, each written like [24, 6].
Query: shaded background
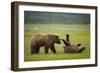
[36, 17]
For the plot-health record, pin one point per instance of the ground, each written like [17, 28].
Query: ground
[79, 33]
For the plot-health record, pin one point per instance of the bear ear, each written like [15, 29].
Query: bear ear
[56, 36]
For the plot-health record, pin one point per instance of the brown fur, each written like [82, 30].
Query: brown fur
[46, 40]
[72, 48]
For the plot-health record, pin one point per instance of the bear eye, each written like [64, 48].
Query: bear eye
[56, 36]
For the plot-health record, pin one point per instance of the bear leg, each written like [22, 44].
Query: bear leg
[53, 49]
[46, 49]
[34, 49]
[37, 50]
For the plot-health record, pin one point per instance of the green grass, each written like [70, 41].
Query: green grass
[79, 33]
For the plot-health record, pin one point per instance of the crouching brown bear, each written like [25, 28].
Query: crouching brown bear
[72, 48]
[46, 40]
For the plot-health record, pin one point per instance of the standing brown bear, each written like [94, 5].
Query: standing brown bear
[46, 40]
[70, 47]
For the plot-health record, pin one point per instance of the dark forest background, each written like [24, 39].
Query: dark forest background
[36, 17]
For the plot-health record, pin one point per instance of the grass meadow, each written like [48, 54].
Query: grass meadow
[79, 33]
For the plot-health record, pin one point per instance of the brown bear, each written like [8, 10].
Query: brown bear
[46, 40]
[71, 48]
